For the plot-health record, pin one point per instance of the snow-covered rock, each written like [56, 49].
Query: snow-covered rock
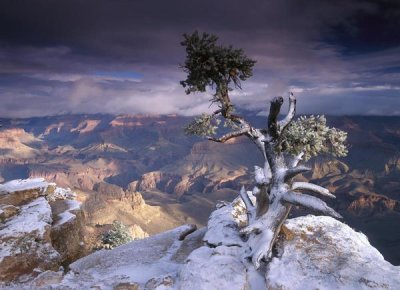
[213, 269]
[68, 229]
[323, 253]
[25, 242]
[141, 262]
[21, 191]
[38, 228]
[223, 225]
[17, 185]
[311, 253]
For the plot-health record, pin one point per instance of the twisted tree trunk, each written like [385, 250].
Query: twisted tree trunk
[274, 190]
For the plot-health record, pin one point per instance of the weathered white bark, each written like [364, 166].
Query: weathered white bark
[274, 188]
[312, 187]
[289, 117]
[248, 203]
[310, 202]
[295, 161]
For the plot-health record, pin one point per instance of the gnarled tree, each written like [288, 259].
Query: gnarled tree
[284, 143]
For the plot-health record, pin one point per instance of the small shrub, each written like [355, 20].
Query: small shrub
[118, 235]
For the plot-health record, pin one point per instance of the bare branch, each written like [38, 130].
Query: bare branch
[295, 161]
[230, 135]
[274, 110]
[290, 115]
[267, 171]
[258, 138]
[262, 201]
[217, 112]
[246, 199]
[292, 172]
[239, 120]
[312, 187]
[310, 202]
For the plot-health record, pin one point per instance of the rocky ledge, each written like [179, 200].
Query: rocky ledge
[39, 228]
[312, 253]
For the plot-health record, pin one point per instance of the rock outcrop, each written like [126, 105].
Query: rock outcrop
[111, 192]
[40, 228]
[312, 253]
[323, 253]
[26, 243]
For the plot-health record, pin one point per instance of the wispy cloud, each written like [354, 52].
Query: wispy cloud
[125, 57]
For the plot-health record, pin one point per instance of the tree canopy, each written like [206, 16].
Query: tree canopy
[209, 64]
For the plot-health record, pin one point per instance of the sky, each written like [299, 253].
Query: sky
[339, 57]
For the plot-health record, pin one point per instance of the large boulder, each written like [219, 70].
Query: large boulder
[319, 252]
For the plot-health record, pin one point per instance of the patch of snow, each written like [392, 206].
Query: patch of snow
[73, 204]
[255, 278]
[213, 269]
[62, 193]
[24, 184]
[222, 228]
[64, 217]
[28, 227]
[259, 175]
[34, 216]
[68, 214]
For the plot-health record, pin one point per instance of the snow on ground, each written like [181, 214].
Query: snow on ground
[34, 216]
[327, 254]
[138, 261]
[25, 240]
[214, 269]
[68, 214]
[24, 184]
[222, 227]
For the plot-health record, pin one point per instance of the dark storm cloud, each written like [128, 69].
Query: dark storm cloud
[122, 56]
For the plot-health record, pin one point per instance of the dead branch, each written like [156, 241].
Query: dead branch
[290, 115]
[310, 202]
[292, 172]
[312, 187]
[274, 110]
[230, 135]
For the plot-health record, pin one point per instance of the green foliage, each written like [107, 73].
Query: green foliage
[206, 125]
[117, 236]
[311, 136]
[208, 64]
